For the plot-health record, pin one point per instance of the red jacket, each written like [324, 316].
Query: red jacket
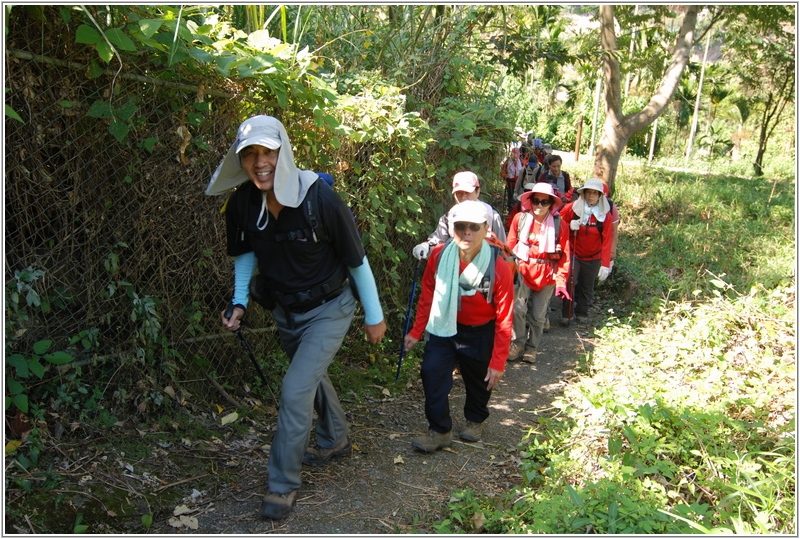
[475, 311]
[588, 244]
[537, 275]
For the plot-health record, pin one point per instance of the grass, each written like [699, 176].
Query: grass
[684, 418]
[676, 227]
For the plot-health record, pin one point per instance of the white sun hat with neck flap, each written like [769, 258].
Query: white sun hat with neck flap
[291, 184]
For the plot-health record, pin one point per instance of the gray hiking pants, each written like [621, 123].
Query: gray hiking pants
[530, 306]
[311, 340]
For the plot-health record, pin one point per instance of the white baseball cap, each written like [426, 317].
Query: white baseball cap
[469, 211]
[262, 130]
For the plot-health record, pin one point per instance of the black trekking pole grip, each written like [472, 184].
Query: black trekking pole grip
[408, 318]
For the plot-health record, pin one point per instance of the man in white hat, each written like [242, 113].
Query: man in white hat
[305, 270]
[466, 306]
[466, 186]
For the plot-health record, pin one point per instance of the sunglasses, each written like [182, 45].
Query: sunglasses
[461, 227]
[540, 202]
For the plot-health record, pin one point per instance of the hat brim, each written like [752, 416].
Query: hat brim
[525, 200]
[267, 142]
[229, 174]
[592, 183]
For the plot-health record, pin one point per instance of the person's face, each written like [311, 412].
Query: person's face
[461, 196]
[259, 164]
[555, 168]
[591, 196]
[515, 153]
[540, 205]
[467, 239]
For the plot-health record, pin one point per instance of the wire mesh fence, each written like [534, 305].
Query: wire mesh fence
[113, 252]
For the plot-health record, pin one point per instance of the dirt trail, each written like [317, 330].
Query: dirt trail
[385, 485]
[203, 484]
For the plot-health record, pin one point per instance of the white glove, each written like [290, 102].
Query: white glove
[604, 273]
[575, 224]
[421, 251]
[611, 267]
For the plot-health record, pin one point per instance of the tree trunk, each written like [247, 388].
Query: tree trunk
[773, 110]
[618, 129]
[758, 168]
[693, 131]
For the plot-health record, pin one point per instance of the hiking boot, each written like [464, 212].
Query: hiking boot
[432, 441]
[565, 322]
[472, 432]
[317, 456]
[514, 353]
[529, 356]
[546, 328]
[277, 506]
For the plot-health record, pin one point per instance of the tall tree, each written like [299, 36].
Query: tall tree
[762, 45]
[618, 127]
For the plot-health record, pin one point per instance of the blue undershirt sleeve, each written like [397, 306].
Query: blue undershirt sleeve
[243, 265]
[367, 292]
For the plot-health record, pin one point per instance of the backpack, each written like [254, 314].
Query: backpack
[498, 248]
[599, 224]
[506, 254]
[533, 173]
[315, 230]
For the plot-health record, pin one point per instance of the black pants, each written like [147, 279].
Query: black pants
[471, 348]
[584, 273]
[510, 184]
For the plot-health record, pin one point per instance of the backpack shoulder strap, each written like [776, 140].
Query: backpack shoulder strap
[240, 210]
[487, 283]
[449, 240]
[316, 228]
[521, 224]
[312, 213]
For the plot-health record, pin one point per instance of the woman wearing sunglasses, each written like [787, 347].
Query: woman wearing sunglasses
[541, 245]
[466, 306]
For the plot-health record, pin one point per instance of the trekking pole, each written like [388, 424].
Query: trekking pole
[250, 353]
[572, 275]
[408, 317]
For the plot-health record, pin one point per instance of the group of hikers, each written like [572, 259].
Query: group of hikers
[484, 297]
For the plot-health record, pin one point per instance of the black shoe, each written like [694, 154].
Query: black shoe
[317, 456]
[277, 506]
